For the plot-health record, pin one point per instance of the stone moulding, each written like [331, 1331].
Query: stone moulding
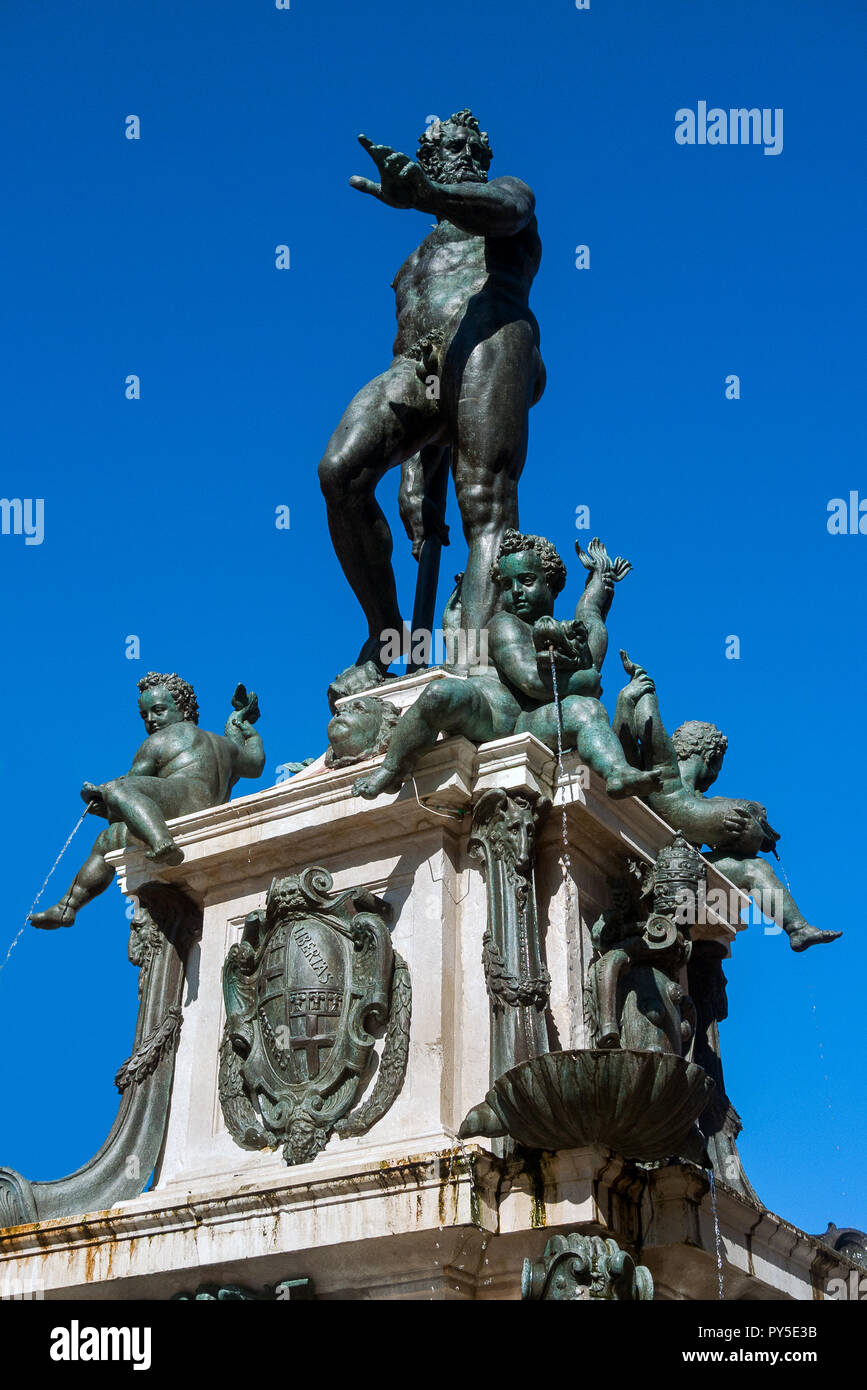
[165, 923]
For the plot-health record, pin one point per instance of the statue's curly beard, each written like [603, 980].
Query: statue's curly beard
[452, 169]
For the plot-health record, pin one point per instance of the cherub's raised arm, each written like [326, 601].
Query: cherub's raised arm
[248, 748]
[595, 603]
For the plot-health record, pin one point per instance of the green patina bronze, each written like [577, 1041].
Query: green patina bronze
[634, 996]
[360, 729]
[516, 692]
[179, 769]
[575, 1268]
[466, 370]
[687, 763]
[312, 974]
[165, 924]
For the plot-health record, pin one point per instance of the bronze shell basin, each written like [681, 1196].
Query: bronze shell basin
[642, 1105]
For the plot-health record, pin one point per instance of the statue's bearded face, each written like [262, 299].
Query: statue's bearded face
[524, 586]
[459, 156]
[158, 709]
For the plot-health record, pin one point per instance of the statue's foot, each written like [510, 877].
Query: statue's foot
[363, 676]
[371, 654]
[61, 915]
[168, 854]
[385, 779]
[811, 936]
[630, 667]
[630, 782]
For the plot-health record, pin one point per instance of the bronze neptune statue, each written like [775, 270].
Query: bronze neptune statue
[465, 372]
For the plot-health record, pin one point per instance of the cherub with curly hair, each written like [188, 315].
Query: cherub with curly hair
[688, 763]
[516, 692]
[533, 651]
[178, 769]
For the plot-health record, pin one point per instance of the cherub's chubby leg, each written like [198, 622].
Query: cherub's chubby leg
[586, 729]
[449, 706]
[93, 878]
[757, 877]
[145, 803]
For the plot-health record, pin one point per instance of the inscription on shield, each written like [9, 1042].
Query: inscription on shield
[302, 988]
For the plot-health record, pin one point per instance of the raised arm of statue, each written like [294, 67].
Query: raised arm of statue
[500, 208]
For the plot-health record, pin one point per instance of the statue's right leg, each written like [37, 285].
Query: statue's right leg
[586, 727]
[387, 422]
[93, 878]
[756, 877]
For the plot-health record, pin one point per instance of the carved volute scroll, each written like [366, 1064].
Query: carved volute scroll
[576, 1268]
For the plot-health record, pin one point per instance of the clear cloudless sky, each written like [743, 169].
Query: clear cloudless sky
[157, 257]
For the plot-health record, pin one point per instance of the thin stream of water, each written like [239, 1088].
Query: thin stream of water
[23, 928]
[717, 1236]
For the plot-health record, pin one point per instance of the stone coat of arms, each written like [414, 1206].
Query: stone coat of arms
[313, 974]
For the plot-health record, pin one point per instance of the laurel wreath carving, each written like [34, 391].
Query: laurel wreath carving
[241, 1119]
[505, 988]
[146, 1058]
[392, 1066]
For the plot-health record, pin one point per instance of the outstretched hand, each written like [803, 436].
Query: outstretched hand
[246, 712]
[404, 182]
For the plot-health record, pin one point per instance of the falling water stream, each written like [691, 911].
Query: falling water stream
[716, 1234]
[23, 927]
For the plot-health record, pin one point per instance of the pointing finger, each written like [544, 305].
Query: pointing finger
[365, 185]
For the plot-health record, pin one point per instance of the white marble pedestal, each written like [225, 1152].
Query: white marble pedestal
[404, 1211]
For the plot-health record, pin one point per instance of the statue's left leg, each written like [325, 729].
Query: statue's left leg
[497, 387]
[757, 877]
[144, 803]
[585, 724]
[93, 878]
[446, 706]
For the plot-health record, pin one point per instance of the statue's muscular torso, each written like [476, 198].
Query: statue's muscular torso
[434, 286]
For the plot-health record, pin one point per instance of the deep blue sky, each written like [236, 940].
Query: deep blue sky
[156, 257]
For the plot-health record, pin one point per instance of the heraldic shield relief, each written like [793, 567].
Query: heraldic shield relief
[313, 974]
